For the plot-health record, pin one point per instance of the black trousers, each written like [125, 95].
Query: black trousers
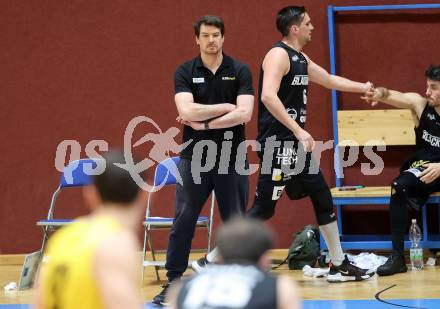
[406, 190]
[231, 191]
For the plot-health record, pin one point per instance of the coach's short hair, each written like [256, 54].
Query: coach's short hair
[433, 72]
[288, 16]
[209, 20]
[244, 241]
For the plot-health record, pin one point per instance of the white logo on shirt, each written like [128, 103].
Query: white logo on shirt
[292, 113]
[431, 139]
[276, 174]
[295, 58]
[198, 80]
[222, 287]
[300, 80]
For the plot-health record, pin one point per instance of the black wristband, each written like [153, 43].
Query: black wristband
[206, 122]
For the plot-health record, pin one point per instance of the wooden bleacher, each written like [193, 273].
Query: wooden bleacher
[390, 127]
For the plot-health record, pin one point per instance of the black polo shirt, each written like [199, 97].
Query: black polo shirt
[230, 80]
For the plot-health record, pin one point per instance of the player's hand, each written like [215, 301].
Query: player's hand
[374, 95]
[431, 173]
[306, 139]
[368, 87]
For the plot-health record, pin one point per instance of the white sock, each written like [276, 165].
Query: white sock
[212, 256]
[330, 233]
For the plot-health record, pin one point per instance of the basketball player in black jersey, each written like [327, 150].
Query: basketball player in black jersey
[283, 85]
[420, 174]
[241, 281]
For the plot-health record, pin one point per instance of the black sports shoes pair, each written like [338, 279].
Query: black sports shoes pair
[348, 272]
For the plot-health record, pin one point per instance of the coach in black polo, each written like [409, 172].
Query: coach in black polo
[214, 98]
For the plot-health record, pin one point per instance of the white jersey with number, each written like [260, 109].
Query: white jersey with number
[229, 286]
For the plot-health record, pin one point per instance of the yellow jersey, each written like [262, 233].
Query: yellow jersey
[68, 280]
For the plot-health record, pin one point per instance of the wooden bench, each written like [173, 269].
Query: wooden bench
[374, 127]
[367, 127]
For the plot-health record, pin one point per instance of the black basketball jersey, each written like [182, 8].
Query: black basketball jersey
[293, 95]
[229, 286]
[428, 131]
[427, 140]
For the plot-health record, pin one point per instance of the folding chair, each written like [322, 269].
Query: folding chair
[74, 175]
[165, 175]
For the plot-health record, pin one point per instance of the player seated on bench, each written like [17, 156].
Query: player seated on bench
[419, 175]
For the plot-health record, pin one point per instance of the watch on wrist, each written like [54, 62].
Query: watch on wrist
[206, 123]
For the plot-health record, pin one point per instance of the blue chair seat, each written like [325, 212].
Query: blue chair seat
[157, 221]
[54, 222]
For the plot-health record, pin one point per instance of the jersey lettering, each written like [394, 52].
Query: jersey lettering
[300, 80]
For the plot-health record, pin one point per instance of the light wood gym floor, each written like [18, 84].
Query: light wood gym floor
[415, 289]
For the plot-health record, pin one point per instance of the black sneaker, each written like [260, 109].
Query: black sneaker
[323, 261]
[348, 272]
[159, 299]
[395, 264]
[200, 265]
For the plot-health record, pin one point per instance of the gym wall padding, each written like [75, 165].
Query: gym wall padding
[83, 69]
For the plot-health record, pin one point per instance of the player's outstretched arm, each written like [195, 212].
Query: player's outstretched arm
[408, 100]
[320, 76]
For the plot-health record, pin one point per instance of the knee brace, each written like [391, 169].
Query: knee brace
[398, 188]
[323, 205]
[401, 193]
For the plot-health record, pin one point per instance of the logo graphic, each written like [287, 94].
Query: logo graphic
[300, 80]
[303, 114]
[228, 78]
[163, 144]
[276, 174]
[295, 58]
[198, 80]
[431, 139]
[292, 113]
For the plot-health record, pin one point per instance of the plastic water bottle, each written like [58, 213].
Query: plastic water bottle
[416, 251]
